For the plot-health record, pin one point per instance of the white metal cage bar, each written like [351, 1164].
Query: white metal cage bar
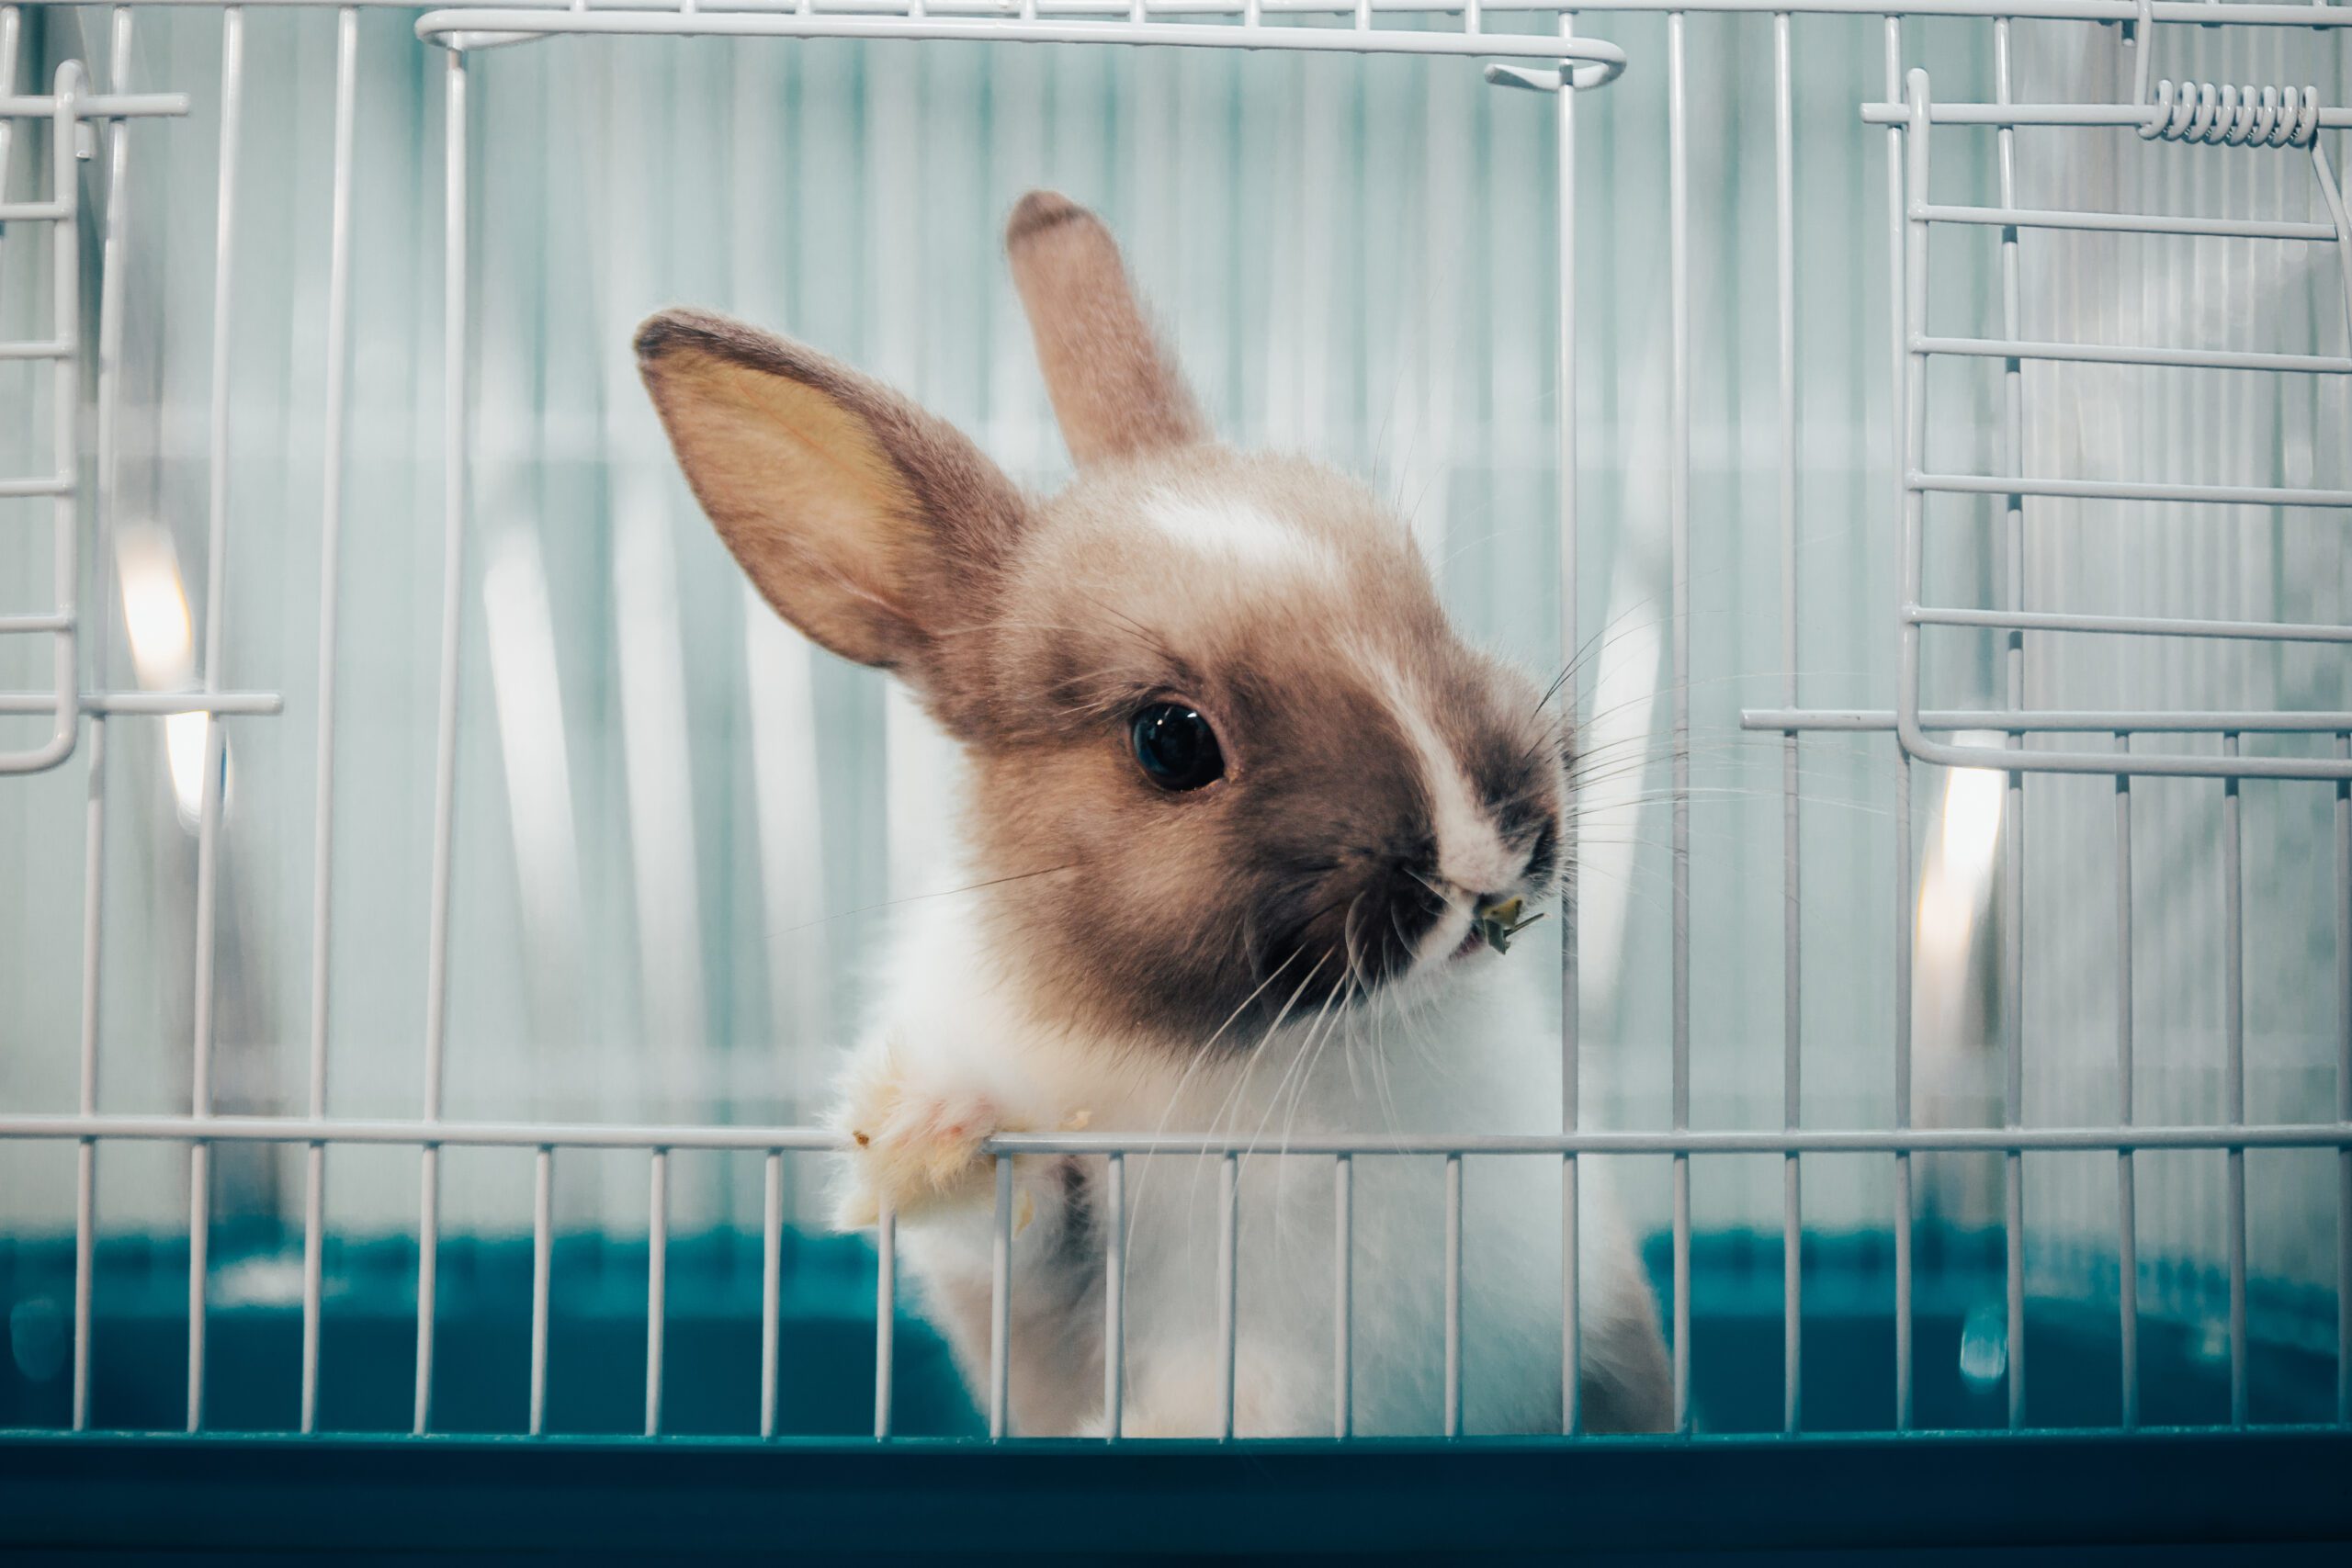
[338, 326]
[2013, 860]
[2127, 1261]
[1343, 1295]
[1678, 208]
[771, 1285]
[1910, 216]
[542, 1284]
[2344, 1085]
[1115, 1294]
[1913, 120]
[1904, 892]
[445, 767]
[1587, 62]
[454, 1133]
[212, 779]
[1785, 243]
[1572, 662]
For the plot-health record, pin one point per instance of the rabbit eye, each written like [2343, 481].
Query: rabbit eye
[1175, 747]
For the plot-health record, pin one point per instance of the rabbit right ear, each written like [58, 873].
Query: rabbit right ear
[871, 525]
[1116, 390]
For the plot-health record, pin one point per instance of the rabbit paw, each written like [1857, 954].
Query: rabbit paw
[914, 1149]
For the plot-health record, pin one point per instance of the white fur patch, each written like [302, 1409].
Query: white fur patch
[1470, 853]
[1239, 531]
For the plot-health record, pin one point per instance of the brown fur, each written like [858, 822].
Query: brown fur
[1306, 854]
[1115, 393]
[1036, 630]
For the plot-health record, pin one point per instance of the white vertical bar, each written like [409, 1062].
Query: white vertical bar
[314, 1195]
[2233, 1072]
[1453, 1296]
[1679, 513]
[232, 37]
[111, 288]
[1343, 1225]
[1001, 1301]
[2013, 826]
[2127, 1239]
[85, 1256]
[1115, 1293]
[1572, 1317]
[1565, 374]
[2013, 1234]
[208, 854]
[453, 519]
[1682, 1294]
[11, 37]
[657, 1286]
[2344, 1089]
[886, 1314]
[1904, 499]
[346, 73]
[1227, 1184]
[428, 1203]
[542, 1269]
[1792, 967]
[444, 771]
[771, 1288]
[200, 1240]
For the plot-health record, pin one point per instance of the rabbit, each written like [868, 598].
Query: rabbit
[1244, 821]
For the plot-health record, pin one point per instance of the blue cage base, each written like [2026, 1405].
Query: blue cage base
[710, 1490]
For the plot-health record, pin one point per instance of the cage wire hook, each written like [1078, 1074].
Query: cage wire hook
[1542, 79]
[1576, 62]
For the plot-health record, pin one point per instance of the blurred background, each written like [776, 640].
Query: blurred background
[679, 829]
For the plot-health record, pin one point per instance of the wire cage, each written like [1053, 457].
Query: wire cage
[1913, 429]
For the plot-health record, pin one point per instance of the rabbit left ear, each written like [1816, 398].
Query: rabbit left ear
[870, 525]
[1116, 390]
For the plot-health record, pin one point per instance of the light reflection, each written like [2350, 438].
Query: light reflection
[156, 624]
[527, 685]
[1953, 894]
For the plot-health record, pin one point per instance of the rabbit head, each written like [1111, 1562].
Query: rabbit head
[1228, 758]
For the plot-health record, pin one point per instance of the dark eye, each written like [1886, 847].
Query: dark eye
[1176, 746]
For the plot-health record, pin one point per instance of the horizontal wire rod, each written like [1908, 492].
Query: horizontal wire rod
[156, 704]
[2096, 115]
[2117, 223]
[2110, 490]
[2125, 625]
[2117, 354]
[99, 106]
[1595, 63]
[2271, 16]
[2053, 721]
[537, 1135]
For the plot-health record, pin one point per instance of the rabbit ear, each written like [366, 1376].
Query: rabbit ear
[1116, 390]
[869, 524]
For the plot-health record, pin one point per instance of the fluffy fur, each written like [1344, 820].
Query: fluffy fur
[1289, 950]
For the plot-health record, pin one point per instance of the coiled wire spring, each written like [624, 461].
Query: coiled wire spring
[2228, 116]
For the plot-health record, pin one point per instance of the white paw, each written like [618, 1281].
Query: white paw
[914, 1148]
